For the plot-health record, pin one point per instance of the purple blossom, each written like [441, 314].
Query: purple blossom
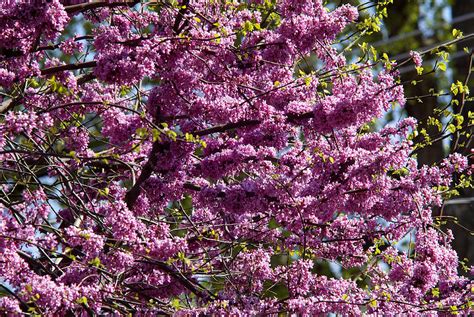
[417, 59]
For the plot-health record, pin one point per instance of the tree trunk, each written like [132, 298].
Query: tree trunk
[464, 240]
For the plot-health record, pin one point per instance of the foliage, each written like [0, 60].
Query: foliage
[214, 157]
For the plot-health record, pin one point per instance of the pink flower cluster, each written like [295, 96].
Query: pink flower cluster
[417, 59]
[24, 26]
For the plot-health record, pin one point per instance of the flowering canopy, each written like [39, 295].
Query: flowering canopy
[187, 158]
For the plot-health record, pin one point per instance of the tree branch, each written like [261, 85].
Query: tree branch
[57, 69]
[72, 9]
[176, 27]
[228, 126]
[183, 280]
[248, 123]
[132, 195]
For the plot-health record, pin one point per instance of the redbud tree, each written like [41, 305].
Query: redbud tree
[212, 157]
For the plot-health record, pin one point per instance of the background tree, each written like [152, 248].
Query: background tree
[425, 24]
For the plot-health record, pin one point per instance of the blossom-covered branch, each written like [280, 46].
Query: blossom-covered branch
[214, 158]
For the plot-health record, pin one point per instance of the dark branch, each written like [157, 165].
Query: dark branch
[229, 126]
[249, 123]
[57, 69]
[176, 27]
[183, 280]
[132, 195]
[72, 9]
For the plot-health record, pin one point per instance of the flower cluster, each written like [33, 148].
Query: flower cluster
[25, 26]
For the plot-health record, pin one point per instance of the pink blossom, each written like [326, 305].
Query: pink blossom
[417, 59]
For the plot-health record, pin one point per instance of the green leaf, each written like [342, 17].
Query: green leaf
[452, 128]
[175, 303]
[419, 70]
[442, 66]
[373, 303]
[95, 262]
[273, 224]
[82, 300]
[457, 33]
